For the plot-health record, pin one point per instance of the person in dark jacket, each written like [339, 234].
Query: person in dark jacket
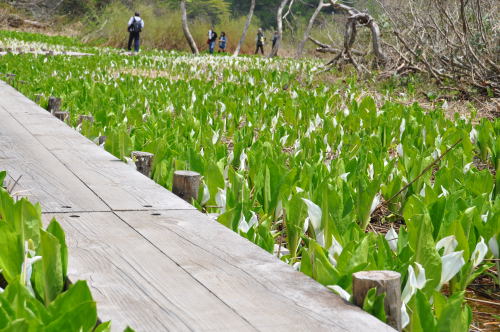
[260, 41]
[212, 41]
[135, 26]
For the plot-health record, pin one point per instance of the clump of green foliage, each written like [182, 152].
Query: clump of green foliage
[35, 294]
[291, 163]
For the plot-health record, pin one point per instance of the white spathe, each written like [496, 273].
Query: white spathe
[405, 319]
[449, 244]
[493, 244]
[479, 253]
[314, 214]
[392, 239]
[340, 291]
[416, 280]
[451, 265]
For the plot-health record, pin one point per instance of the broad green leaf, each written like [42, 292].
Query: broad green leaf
[55, 229]
[47, 273]
[12, 253]
[374, 304]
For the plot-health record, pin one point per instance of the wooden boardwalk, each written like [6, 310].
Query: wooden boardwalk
[152, 261]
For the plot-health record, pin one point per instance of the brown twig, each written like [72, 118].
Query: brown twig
[430, 166]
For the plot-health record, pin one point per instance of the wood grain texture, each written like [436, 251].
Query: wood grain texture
[186, 185]
[246, 277]
[135, 284]
[44, 179]
[117, 184]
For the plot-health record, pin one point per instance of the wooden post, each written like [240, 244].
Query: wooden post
[186, 185]
[388, 282]
[102, 140]
[54, 105]
[63, 116]
[143, 161]
[10, 78]
[82, 118]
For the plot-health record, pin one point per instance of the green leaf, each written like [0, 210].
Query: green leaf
[31, 220]
[20, 304]
[451, 318]
[374, 304]
[20, 325]
[55, 229]
[421, 241]
[64, 310]
[103, 327]
[424, 315]
[81, 318]
[12, 252]
[354, 257]
[47, 273]
[3, 174]
[315, 264]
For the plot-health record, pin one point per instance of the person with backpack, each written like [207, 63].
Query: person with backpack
[211, 42]
[222, 42]
[135, 26]
[260, 42]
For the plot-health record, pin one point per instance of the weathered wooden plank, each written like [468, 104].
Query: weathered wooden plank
[136, 284]
[117, 184]
[246, 277]
[43, 178]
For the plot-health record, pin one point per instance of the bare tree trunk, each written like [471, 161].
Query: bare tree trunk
[185, 28]
[363, 19]
[279, 27]
[245, 29]
[300, 49]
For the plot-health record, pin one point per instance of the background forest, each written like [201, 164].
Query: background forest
[102, 21]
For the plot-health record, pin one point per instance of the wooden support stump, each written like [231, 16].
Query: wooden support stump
[388, 282]
[143, 161]
[88, 118]
[186, 185]
[63, 116]
[54, 105]
[102, 140]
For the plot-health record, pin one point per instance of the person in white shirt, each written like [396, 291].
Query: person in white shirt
[135, 26]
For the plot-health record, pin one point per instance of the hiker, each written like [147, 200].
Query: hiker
[260, 42]
[135, 26]
[212, 40]
[222, 42]
[275, 38]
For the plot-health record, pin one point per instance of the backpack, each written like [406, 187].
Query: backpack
[136, 26]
